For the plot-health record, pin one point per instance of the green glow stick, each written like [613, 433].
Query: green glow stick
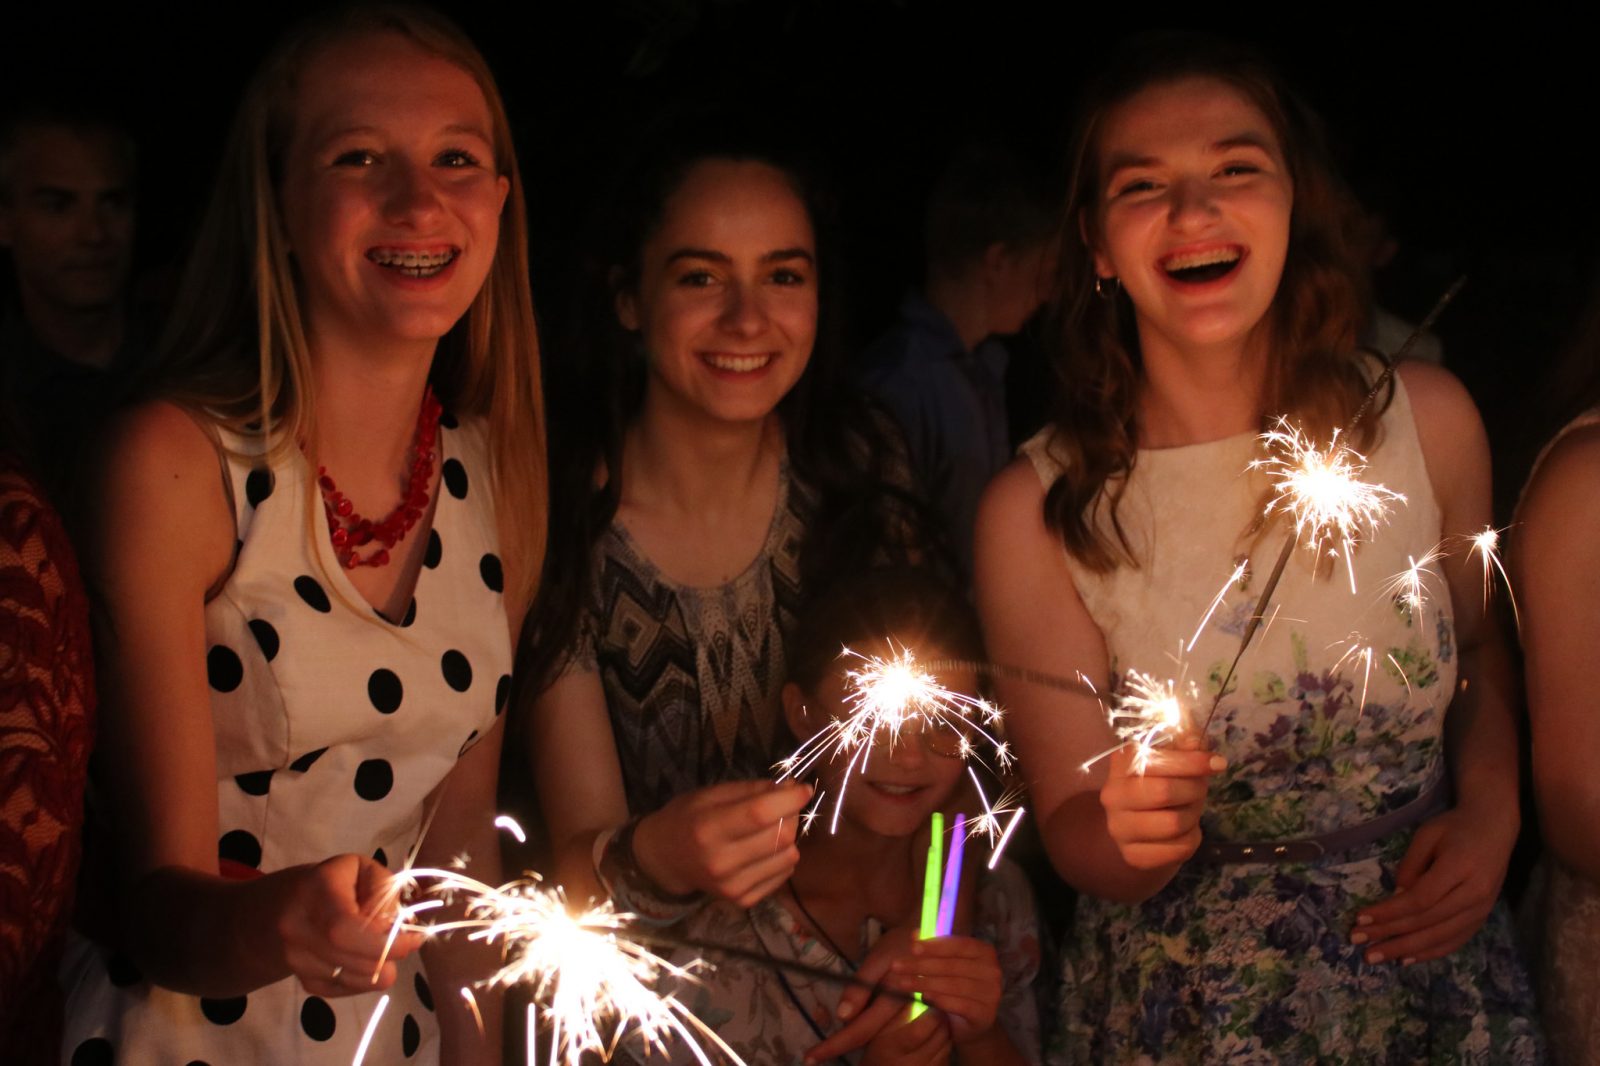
[930, 895]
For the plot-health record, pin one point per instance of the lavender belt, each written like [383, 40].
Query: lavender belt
[1434, 800]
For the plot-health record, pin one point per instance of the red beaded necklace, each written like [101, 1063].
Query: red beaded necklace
[350, 532]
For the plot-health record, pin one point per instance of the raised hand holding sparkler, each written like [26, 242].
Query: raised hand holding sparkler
[1153, 800]
[734, 841]
[334, 921]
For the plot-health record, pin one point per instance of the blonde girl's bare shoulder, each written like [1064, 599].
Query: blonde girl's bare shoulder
[160, 484]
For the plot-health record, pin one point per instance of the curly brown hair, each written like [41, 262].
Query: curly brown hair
[1316, 374]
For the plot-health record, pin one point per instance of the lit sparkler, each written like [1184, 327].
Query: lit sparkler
[1148, 713]
[887, 696]
[590, 975]
[1322, 491]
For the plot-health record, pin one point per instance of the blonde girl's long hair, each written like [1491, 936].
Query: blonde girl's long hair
[235, 350]
[1316, 372]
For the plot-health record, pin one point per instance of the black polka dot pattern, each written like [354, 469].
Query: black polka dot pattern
[457, 671]
[96, 1051]
[455, 478]
[240, 846]
[311, 591]
[385, 691]
[223, 668]
[256, 783]
[316, 1018]
[347, 727]
[258, 486]
[197, 1062]
[303, 763]
[374, 779]
[448, 420]
[122, 971]
[266, 637]
[493, 576]
[224, 1011]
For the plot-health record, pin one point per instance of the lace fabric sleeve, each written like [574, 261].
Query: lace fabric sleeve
[47, 707]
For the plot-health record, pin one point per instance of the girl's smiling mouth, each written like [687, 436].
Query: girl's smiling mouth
[1201, 265]
[412, 263]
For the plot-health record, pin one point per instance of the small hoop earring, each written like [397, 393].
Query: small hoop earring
[1106, 288]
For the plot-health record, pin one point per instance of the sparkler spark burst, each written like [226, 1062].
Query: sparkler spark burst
[988, 824]
[885, 698]
[1409, 588]
[581, 966]
[1486, 546]
[1322, 490]
[1147, 714]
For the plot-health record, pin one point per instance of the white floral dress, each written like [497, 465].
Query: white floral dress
[1252, 962]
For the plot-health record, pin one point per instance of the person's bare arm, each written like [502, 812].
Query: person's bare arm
[1555, 568]
[164, 538]
[579, 778]
[1109, 832]
[1452, 872]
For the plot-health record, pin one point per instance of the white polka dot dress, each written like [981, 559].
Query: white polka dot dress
[333, 725]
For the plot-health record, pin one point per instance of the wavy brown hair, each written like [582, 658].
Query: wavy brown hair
[1316, 374]
[235, 350]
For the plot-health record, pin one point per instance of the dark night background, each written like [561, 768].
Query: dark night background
[1471, 138]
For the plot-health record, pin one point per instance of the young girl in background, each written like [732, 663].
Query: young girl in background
[864, 882]
[292, 692]
[1294, 885]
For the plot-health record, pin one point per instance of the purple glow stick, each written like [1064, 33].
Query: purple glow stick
[952, 877]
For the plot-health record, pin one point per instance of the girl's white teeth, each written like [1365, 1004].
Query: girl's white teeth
[1191, 260]
[738, 363]
[895, 790]
[414, 264]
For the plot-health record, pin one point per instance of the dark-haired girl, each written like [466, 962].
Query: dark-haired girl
[1295, 884]
[725, 479]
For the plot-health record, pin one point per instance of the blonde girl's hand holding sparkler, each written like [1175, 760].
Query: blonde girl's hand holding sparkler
[1451, 875]
[333, 922]
[735, 840]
